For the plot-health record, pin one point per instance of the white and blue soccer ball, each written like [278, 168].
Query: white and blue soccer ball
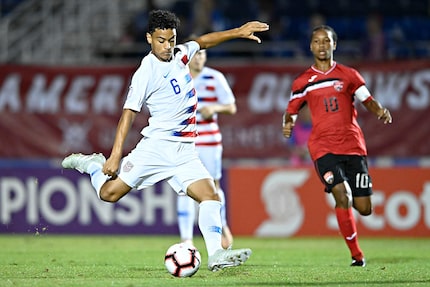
[182, 260]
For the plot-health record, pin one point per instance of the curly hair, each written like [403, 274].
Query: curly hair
[162, 19]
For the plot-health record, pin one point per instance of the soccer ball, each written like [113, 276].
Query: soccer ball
[182, 260]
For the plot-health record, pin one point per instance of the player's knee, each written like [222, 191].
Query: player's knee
[109, 195]
[363, 205]
[342, 200]
[341, 196]
[205, 194]
[202, 196]
[366, 211]
[202, 190]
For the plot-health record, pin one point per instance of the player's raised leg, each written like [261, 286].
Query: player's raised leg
[82, 162]
[91, 164]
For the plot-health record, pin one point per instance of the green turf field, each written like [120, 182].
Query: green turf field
[51, 260]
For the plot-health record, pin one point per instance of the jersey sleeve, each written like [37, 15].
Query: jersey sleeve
[137, 89]
[363, 94]
[184, 52]
[356, 79]
[297, 98]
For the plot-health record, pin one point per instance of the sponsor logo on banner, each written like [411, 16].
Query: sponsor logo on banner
[292, 202]
[50, 200]
[282, 203]
[285, 202]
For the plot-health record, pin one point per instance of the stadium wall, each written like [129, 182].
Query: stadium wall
[48, 112]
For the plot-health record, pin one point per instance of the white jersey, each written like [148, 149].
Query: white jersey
[167, 89]
[211, 88]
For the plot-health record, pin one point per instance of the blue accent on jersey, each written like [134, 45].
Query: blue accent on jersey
[187, 121]
[192, 134]
[191, 93]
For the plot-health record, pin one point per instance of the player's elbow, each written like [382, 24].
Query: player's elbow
[366, 211]
[233, 110]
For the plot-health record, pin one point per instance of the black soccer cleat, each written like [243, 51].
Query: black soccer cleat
[358, 263]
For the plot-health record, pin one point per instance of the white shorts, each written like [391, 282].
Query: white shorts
[153, 160]
[211, 156]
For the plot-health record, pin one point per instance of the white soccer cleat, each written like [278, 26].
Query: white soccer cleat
[228, 258]
[80, 162]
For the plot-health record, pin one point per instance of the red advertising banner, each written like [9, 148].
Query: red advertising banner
[262, 93]
[52, 111]
[287, 202]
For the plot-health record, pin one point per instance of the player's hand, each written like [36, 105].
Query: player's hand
[111, 167]
[247, 30]
[287, 129]
[206, 112]
[385, 116]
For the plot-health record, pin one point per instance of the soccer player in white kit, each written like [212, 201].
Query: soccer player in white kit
[167, 149]
[214, 97]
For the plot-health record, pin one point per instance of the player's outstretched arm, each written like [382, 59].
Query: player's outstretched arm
[245, 31]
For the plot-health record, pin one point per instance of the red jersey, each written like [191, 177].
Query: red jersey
[330, 98]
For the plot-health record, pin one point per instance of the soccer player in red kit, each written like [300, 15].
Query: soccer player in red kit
[336, 143]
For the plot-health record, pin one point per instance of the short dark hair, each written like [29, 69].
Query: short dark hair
[162, 19]
[327, 28]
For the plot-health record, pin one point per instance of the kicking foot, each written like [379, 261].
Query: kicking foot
[80, 162]
[228, 258]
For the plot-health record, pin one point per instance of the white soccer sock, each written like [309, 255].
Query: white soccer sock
[210, 224]
[186, 209]
[98, 178]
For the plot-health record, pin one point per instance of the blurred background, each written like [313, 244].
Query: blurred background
[65, 68]
[97, 31]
